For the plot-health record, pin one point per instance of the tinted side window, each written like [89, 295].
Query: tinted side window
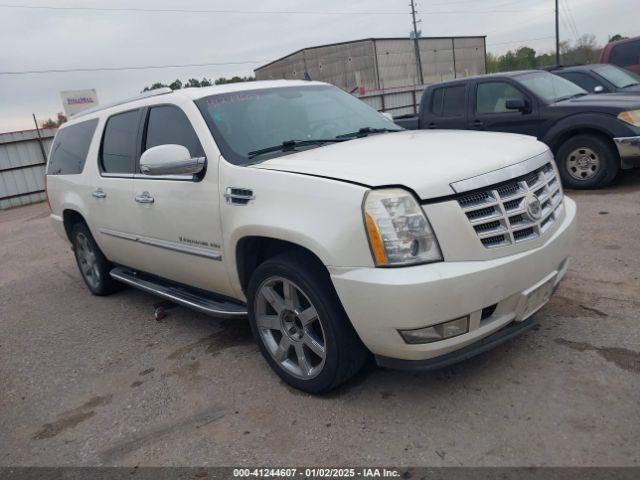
[449, 101]
[70, 148]
[492, 97]
[582, 80]
[170, 125]
[119, 143]
[626, 54]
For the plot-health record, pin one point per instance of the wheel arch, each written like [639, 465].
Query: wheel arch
[252, 250]
[560, 137]
[69, 218]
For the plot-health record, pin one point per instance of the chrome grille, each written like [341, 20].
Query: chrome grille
[499, 214]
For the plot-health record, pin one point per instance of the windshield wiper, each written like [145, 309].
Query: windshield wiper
[569, 97]
[364, 131]
[290, 145]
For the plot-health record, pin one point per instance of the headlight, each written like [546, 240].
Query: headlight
[631, 117]
[398, 230]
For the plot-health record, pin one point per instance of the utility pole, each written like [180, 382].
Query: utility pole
[44, 154]
[416, 43]
[557, 35]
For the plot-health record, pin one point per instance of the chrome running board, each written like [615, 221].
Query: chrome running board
[196, 299]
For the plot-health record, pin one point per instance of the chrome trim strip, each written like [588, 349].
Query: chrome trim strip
[502, 175]
[167, 294]
[156, 242]
[117, 175]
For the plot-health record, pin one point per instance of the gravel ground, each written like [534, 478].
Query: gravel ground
[97, 381]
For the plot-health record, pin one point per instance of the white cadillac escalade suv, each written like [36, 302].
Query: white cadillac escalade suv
[338, 234]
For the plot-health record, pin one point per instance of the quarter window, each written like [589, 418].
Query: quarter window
[169, 125]
[492, 97]
[70, 148]
[119, 143]
[449, 101]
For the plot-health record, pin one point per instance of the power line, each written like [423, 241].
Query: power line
[189, 10]
[250, 12]
[146, 67]
[567, 7]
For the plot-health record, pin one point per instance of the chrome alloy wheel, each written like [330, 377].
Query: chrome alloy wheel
[290, 327]
[87, 260]
[583, 163]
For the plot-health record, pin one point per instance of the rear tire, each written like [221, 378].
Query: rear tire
[587, 161]
[300, 325]
[93, 265]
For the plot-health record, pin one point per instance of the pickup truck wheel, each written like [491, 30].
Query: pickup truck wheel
[587, 161]
[300, 325]
[93, 265]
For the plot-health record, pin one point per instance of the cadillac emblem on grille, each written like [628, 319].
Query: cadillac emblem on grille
[534, 207]
[515, 210]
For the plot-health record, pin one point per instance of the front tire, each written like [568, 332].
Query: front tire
[587, 161]
[300, 325]
[93, 265]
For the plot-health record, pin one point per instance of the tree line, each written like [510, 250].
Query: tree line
[177, 84]
[583, 51]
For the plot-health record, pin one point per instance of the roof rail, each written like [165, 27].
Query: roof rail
[140, 96]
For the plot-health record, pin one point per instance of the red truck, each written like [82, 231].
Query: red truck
[623, 53]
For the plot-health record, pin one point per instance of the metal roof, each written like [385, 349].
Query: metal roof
[25, 135]
[374, 39]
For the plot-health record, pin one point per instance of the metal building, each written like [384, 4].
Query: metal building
[22, 165]
[381, 63]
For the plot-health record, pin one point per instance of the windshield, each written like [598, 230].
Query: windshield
[248, 122]
[619, 77]
[549, 86]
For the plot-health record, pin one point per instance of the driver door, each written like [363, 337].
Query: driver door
[178, 216]
[490, 111]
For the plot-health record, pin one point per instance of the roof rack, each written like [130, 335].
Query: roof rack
[151, 93]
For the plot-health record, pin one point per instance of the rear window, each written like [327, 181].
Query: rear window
[119, 143]
[626, 54]
[449, 101]
[70, 147]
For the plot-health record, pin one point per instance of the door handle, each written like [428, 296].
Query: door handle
[99, 193]
[144, 198]
[477, 123]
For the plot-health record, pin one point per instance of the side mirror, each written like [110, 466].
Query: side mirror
[519, 104]
[598, 89]
[388, 115]
[170, 160]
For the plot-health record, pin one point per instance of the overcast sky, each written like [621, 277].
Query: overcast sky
[38, 39]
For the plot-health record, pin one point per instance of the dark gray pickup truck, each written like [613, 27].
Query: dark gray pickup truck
[591, 136]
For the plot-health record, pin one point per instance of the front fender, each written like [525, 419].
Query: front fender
[606, 124]
[322, 215]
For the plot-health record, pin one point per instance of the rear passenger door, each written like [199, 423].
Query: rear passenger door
[447, 107]
[112, 188]
[490, 112]
[178, 220]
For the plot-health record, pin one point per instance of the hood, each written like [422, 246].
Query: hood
[631, 90]
[426, 161]
[603, 102]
